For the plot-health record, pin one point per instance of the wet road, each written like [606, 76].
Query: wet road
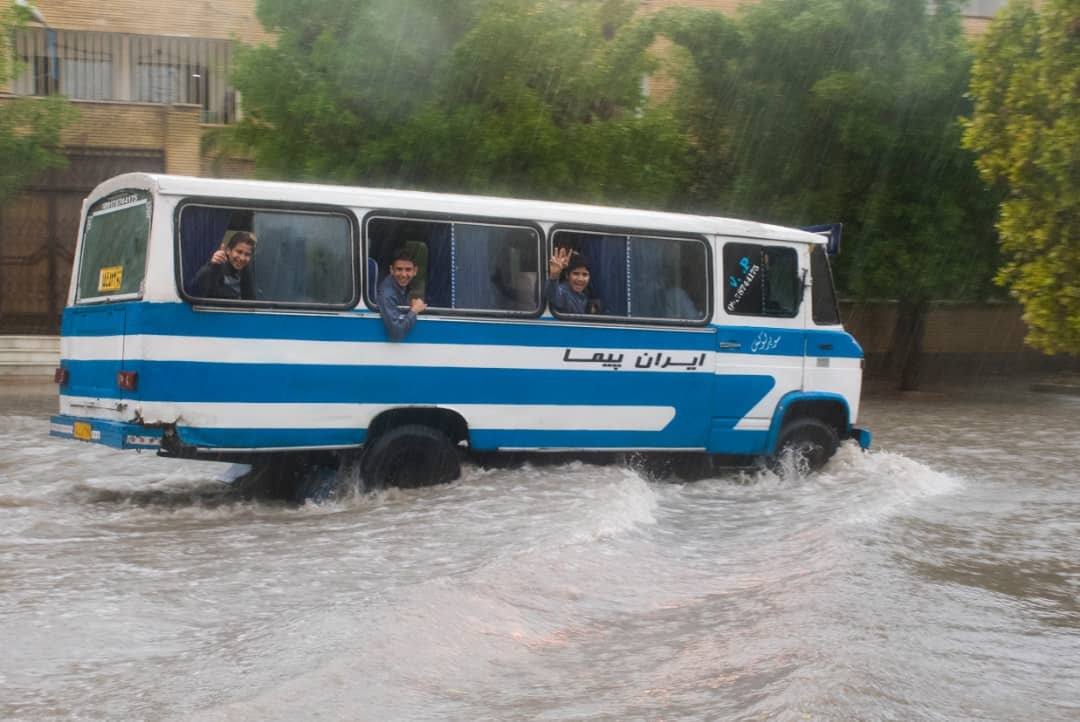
[935, 578]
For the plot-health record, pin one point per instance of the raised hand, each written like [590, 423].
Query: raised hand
[558, 262]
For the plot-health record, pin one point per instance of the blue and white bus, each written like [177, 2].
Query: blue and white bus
[706, 337]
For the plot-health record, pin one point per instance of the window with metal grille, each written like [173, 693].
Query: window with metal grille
[85, 65]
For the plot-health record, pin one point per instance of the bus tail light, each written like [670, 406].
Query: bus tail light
[61, 376]
[127, 380]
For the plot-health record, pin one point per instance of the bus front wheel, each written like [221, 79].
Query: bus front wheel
[805, 445]
[409, 456]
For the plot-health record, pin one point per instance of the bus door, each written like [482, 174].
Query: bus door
[760, 341]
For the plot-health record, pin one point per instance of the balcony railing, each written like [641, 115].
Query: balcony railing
[84, 65]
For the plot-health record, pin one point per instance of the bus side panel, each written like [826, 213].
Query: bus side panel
[92, 350]
[258, 380]
[331, 403]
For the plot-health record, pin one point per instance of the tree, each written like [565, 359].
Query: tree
[342, 74]
[533, 97]
[819, 110]
[544, 98]
[29, 127]
[1026, 130]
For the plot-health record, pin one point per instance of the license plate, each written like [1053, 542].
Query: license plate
[111, 279]
[83, 431]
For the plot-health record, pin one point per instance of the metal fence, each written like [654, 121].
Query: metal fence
[38, 230]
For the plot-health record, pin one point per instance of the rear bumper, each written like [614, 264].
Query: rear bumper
[862, 436]
[117, 434]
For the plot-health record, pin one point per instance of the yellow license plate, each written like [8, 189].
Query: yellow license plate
[110, 278]
[83, 431]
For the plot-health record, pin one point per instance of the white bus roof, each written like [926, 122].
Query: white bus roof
[449, 203]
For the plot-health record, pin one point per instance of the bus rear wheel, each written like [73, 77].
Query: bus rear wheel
[805, 445]
[410, 456]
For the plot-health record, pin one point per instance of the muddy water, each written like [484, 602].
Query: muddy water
[936, 577]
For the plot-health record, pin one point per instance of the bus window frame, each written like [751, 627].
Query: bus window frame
[632, 232]
[256, 205]
[451, 218]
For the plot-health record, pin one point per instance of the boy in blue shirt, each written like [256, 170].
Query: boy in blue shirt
[393, 293]
[569, 295]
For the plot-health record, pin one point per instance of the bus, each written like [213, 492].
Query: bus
[707, 339]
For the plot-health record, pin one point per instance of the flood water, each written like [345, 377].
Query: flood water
[936, 577]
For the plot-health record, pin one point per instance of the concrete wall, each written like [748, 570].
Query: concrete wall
[961, 342]
[28, 358]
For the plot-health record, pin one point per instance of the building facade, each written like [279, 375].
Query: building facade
[147, 84]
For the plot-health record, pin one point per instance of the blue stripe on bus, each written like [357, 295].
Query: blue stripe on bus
[747, 442]
[726, 440]
[211, 438]
[486, 439]
[282, 383]
[834, 344]
[177, 319]
[483, 439]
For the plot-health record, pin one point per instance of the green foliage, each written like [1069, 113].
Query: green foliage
[29, 127]
[797, 111]
[545, 99]
[817, 110]
[536, 97]
[341, 76]
[1026, 130]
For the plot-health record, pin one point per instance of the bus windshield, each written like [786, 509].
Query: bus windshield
[113, 260]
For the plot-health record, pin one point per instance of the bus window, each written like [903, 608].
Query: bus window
[642, 277]
[301, 257]
[463, 266]
[760, 280]
[113, 259]
[822, 292]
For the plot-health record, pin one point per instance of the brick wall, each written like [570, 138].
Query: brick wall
[219, 19]
[175, 129]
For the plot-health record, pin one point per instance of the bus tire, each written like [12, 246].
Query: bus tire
[410, 456]
[808, 442]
